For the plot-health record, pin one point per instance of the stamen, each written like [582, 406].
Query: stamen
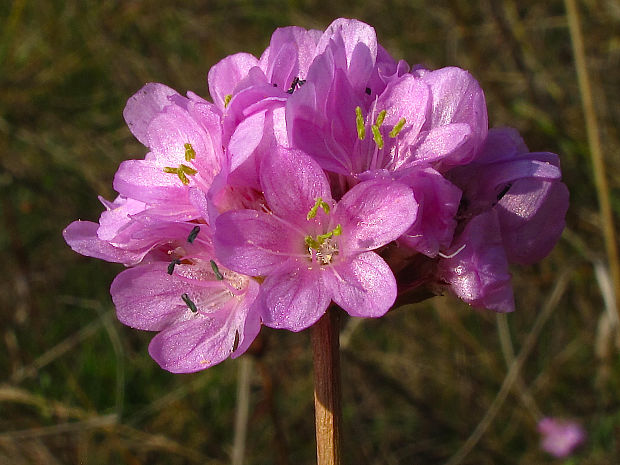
[318, 203]
[399, 127]
[181, 172]
[236, 343]
[192, 235]
[188, 169]
[376, 135]
[361, 125]
[315, 243]
[172, 264]
[190, 153]
[227, 100]
[191, 305]
[216, 271]
[381, 117]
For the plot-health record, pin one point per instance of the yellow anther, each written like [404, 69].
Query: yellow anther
[316, 242]
[399, 127]
[187, 169]
[381, 117]
[376, 135]
[182, 171]
[182, 176]
[361, 125]
[227, 100]
[318, 203]
[190, 153]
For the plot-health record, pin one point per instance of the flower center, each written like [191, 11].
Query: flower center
[323, 247]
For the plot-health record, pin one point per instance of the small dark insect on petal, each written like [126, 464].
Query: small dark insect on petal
[236, 343]
[216, 271]
[295, 84]
[368, 91]
[191, 305]
[275, 85]
[504, 191]
[172, 264]
[192, 235]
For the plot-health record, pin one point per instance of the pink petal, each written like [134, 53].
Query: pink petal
[438, 200]
[407, 98]
[478, 273]
[294, 298]
[374, 213]
[225, 75]
[532, 216]
[147, 297]
[443, 142]
[291, 182]
[82, 237]
[458, 98]
[364, 286]
[254, 243]
[142, 107]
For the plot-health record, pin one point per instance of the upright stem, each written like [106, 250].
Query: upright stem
[327, 393]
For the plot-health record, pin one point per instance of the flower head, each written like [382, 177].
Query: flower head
[559, 437]
[312, 250]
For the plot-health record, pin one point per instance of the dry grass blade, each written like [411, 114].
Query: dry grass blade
[61, 348]
[71, 427]
[594, 142]
[515, 368]
[243, 410]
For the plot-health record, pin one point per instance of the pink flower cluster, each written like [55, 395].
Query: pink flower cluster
[319, 170]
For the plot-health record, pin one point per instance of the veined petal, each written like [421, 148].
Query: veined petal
[407, 98]
[145, 181]
[458, 98]
[478, 272]
[147, 297]
[292, 182]
[531, 216]
[364, 286]
[142, 107]
[374, 213]
[254, 243]
[438, 200]
[225, 75]
[293, 298]
[442, 142]
[82, 237]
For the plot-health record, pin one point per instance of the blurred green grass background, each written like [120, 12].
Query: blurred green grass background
[79, 388]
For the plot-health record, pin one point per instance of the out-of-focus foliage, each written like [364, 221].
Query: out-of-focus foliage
[78, 387]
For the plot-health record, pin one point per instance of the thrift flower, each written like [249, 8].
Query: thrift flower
[560, 438]
[311, 250]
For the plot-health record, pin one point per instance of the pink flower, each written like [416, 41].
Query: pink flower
[560, 437]
[312, 250]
